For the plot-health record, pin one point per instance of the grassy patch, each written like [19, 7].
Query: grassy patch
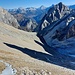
[2, 66]
[5, 52]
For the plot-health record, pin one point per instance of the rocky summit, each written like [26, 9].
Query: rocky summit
[55, 13]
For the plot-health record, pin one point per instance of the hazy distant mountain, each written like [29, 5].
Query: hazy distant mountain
[72, 6]
[24, 15]
[29, 12]
[7, 18]
[42, 7]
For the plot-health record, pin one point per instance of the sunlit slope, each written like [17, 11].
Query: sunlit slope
[14, 47]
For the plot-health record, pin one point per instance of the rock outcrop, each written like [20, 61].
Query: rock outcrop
[26, 15]
[27, 71]
[31, 12]
[8, 18]
[28, 25]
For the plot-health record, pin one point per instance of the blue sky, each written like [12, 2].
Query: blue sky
[32, 3]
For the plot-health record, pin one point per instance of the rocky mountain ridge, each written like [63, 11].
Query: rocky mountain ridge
[24, 15]
[54, 14]
[72, 6]
[30, 12]
[59, 31]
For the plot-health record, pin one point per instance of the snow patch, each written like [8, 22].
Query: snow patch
[8, 70]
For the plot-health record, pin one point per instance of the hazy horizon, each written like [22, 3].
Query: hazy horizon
[8, 4]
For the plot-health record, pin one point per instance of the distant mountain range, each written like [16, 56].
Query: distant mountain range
[72, 6]
[29, 18]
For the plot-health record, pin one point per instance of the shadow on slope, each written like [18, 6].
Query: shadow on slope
[43, 56]
[46, 48]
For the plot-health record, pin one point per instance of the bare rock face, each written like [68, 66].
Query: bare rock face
[60, 33]
[55, 13]
[8, 18]
[28, 25]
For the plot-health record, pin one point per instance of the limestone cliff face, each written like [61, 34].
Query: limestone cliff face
[8, 18]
